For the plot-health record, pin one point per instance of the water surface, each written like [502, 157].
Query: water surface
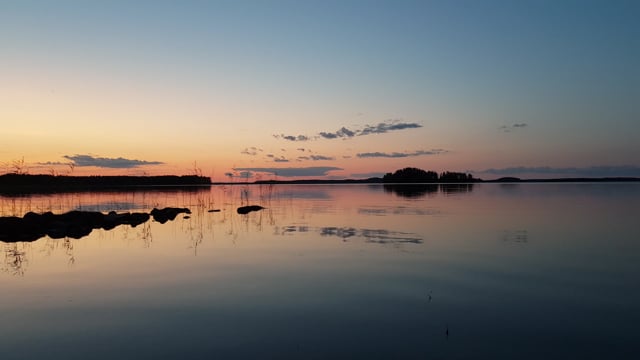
[332, 271]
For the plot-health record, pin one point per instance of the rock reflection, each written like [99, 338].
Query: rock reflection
[75, 224]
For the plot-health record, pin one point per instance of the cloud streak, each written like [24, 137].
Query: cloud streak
[378, 154]
[111, 163]
[253, 151]
[293, 171]
[345, 133]
[509, 128]
[292, 137]
[342, 133]
[591, 171]
[385, 127]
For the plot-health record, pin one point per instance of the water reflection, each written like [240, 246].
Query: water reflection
[421, 190]
[411, 190]
[15, 260]
[378, 236]
[515, 236]
[399, 210]
[313, 276]
[450, 189]
[75, 224]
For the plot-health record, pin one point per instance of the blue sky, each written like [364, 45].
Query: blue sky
[167, 84]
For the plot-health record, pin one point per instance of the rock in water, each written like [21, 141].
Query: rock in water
[247, 209]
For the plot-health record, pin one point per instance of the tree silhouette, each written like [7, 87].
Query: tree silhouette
[415, 175]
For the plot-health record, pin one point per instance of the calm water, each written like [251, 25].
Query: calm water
[333, 272]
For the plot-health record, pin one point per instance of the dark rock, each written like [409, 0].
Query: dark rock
[75, 224]
[166, 214]
[247, 209]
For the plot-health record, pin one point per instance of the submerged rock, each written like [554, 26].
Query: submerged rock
[247, 209]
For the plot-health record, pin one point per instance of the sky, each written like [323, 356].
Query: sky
[276, 89]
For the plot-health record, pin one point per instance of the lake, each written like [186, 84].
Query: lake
[495, 271]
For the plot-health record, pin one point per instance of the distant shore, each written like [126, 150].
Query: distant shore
[475, 181]
[27, 183]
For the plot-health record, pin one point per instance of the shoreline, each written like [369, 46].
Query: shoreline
[27, 184]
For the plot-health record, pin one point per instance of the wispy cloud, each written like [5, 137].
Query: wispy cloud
[292, 137]
[591, 171]
[343, 132]
[113, 163]
[315, 158]
[321, 157]
[346, 133]
[378, 154]
[240, 175]
[293, 171]
[509, 128]
[253, 151]
[385, 127]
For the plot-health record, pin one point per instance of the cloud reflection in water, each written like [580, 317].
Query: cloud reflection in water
[377, 236]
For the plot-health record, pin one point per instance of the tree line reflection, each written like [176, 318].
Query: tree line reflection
[421, 190]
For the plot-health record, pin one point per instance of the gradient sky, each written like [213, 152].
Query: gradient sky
[336, 88]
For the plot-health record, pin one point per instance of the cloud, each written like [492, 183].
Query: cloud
[280, 159]
[241, 175]
[54, 163]
[378, 154]
[292, 137]
[509, 128]
[112, 163]
[253, 151]
[384, 127]
[315, 158]
[591, 171]
[345, 133]
[293, 172]
[321, 157]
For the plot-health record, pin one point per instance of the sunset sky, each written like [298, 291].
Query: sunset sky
[278, 89]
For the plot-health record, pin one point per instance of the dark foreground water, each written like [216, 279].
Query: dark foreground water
[490, 271]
